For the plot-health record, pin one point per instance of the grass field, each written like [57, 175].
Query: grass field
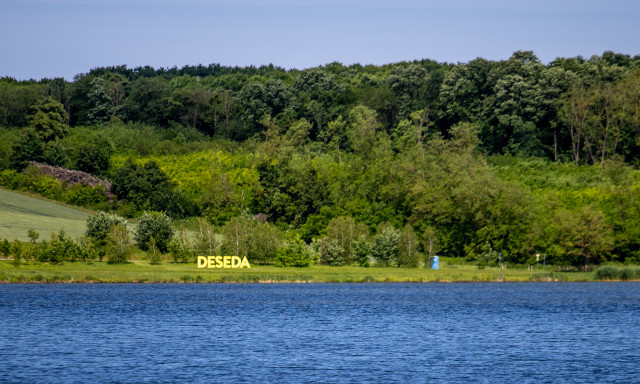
[19, 212]
[141, 271]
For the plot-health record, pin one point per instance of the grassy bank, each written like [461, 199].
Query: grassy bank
[143, 272]
[20, 212]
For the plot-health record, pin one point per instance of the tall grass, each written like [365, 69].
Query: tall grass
[609, 272]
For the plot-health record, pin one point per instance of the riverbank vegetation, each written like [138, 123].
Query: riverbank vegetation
[343, 165]
[143, 271]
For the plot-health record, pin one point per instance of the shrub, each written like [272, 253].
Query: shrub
[362, 252]
[5, 247]
[384, 247]
[331, 253]
[13, 179]
[118, 245]
[148, 187]
[60, 248]
[208, 242]
[27, 148]
[182, 248]
[86, 196]
[154, 251]
[246, 236]
[156, 225]
[294, 253]
[99, 225]
[94, 156]
[16, 252]
[408, 255]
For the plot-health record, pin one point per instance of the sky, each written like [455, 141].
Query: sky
[62, 38]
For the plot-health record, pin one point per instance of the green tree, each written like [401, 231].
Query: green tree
[99, 225]
[27, 148]
[408, 255]
[156, 225]
[155, 256]
[182, 248]
[49, 120]
[118, 245]
[147, 187]
[362, 131]
[100, 102]
[94, 156]
[344, 232]
[584, 235]
[293, 253]
[384, 247]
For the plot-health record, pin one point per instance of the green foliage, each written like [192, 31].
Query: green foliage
[147, 187]
[156, 225]
[100, 102]
[609, 272]
[419, 145]
[27, 148]
[362, 252]
[94, 157]
[49, 120]
[118, 245]
[246, 236]
[5, 247]
[331, 253]
[408, 255]
[342, 233]
[16, 252]
[485, 256]
[208, 242]
[61, 248]
[293, 253]
[100, 224]
[384, 246]
[155, 254]
[182, 248]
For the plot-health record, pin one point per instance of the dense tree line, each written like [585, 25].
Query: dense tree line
[382, 165]
[572, 108]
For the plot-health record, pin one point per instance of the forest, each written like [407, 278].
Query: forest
[346, 165]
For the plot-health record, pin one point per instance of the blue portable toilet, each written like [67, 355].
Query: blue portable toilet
[434, 262]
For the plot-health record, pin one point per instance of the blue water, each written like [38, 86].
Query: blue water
[281, 333]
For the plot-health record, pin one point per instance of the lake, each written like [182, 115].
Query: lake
[303, 333]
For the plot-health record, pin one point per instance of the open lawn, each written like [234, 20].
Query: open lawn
[142, 271]
[19, 212]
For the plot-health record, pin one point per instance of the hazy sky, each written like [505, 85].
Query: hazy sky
[61, 38]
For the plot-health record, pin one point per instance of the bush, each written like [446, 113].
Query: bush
[182, 248]
[247, 237]
[294, 253]
[60, 248]
[384, 248]
[154, 251]
[27, 148]
[99, 225]
[118, 245]
[362, 252]
[331, 253]
[94, 156]
[86, 196]
[156, 225]
[148, 187]
[5, 247]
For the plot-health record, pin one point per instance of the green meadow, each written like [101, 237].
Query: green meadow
[20, 212]
[141, 271]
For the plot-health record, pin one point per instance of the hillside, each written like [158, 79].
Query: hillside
[20, 212]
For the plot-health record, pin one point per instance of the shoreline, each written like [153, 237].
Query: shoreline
[142, 272]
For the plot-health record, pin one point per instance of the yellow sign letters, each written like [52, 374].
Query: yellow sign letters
[222, 262]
